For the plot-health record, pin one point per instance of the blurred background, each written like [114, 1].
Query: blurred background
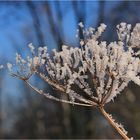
[23, 113]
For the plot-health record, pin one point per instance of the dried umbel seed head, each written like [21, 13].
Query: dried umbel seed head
[110, 66]
[99, 69]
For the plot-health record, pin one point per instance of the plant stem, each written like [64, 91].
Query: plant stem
[111, 121]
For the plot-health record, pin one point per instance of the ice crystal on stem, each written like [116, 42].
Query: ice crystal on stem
[99, 69]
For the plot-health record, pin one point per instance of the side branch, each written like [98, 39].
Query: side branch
[63, 89]
[46, 79]
[60, 88]
[108, 94]
[54, 98]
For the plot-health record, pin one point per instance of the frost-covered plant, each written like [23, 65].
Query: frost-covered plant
[91, 75]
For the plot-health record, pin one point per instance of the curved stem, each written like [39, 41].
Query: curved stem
[111, 121]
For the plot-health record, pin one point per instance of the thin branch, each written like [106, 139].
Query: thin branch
[95, 99]
[63, 89]
[54, 98]
[50, 82]
[94, 78]
[108, 94]
[80, 98]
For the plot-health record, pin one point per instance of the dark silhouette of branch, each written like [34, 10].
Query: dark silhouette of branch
[36, 22]
[80, 14]
[101, 11]
[52, 24]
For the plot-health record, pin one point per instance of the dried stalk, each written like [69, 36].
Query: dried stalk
[111, 121]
